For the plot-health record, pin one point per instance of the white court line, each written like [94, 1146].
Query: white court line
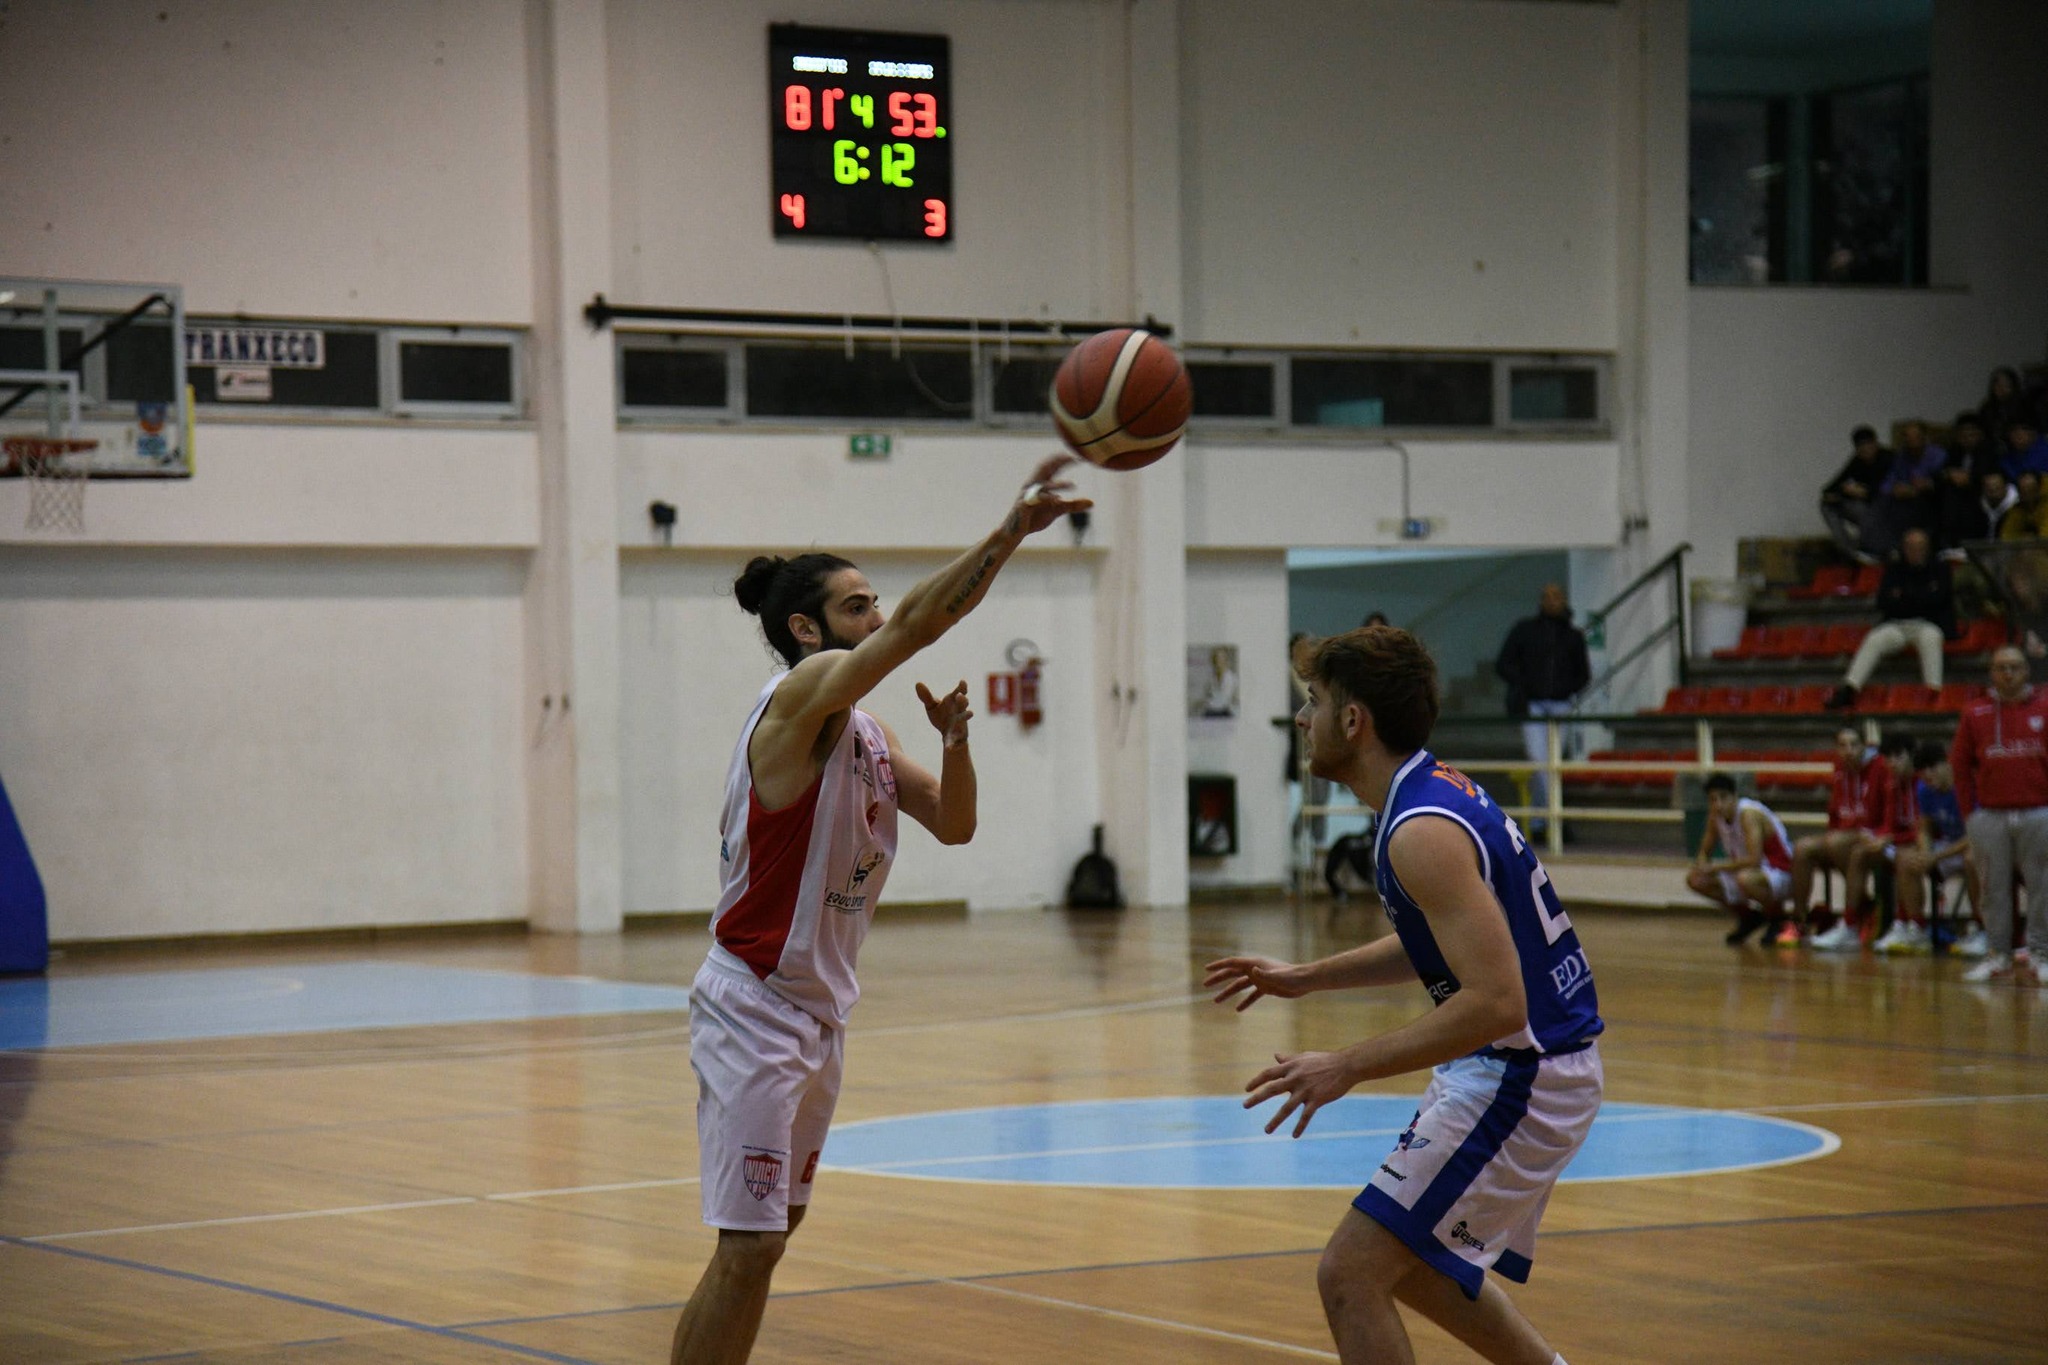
[254, 1218]
[597, 1189]
[1170, 1324]
[1922, 1102]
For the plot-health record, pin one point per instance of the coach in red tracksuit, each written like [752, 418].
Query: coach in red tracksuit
[2000, 759]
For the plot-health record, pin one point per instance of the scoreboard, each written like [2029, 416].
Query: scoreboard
[859, 134]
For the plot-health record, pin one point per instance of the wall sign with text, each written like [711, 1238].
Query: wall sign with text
[859, 134]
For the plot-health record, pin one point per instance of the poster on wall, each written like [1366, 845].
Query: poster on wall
[1212, 815]
[1212, 682]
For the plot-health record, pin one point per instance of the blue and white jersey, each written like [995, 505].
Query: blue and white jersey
[1564, 1012]
[1942, 812]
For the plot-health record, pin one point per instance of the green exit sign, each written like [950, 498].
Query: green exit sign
[868, 445]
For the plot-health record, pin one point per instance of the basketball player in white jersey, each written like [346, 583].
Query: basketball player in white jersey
[1753, 877]
[806, 840]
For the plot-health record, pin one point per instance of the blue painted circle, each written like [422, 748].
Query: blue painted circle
[1214, 1142]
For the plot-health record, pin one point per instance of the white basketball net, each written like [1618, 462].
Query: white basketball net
[56, 481]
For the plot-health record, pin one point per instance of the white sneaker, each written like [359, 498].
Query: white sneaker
[1996, 967]
[1973, 944]
[1916, 940]
[1843, 938]
[1894, 939]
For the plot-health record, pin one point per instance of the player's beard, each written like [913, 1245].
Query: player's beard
[827, 639]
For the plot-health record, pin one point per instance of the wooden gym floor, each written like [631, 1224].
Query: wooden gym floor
[524, 1190]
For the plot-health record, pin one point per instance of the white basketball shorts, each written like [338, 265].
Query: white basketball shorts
[1467, 1183]
[1778, 878]
[767, 1081]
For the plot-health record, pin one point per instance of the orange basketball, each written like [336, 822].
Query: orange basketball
[1121, 398]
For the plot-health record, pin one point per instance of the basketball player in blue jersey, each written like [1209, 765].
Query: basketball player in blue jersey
[1517, 1073]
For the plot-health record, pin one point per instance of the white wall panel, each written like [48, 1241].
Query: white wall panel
[319, 485]
[1241, 599]
[218, 742]
[365, 160]
[1397, 173]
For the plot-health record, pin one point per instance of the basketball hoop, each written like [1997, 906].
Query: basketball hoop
[56, 484]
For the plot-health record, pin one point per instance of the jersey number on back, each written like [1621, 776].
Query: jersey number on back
[1553, 925]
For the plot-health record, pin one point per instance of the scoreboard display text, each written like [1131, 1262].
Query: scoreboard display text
[859, 134]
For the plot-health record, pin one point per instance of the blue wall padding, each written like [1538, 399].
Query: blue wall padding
[24, 914]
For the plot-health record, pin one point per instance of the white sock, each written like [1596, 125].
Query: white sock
[1557, 1360]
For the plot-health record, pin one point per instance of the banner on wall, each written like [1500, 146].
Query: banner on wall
[287, 348]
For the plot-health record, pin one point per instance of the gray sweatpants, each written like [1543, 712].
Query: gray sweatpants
[2001, 840]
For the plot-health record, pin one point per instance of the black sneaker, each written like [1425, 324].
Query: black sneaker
[1841, 699]
[1747, 922]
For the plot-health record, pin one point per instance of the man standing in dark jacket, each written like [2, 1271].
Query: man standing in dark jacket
[1846, 500]
[1544, 664]
[1916, 604]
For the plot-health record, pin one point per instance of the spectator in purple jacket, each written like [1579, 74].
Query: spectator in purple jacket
[2026, 454]
[1908, 494]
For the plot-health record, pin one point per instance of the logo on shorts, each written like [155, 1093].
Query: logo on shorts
[810, 1170]
[763, 1172]
[1461, 1233]
[1385, 1169]
[1408, 1141]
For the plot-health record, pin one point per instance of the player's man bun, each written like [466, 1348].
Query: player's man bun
[751, 587]
[775, 589]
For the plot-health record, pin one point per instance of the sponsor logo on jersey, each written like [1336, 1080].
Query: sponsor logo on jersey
[762, 1171]
[1571, 973]
[1447, 773]
[852, 900]
[1461, 1233]
[1440, 991]
[887, 772]
[724, 851]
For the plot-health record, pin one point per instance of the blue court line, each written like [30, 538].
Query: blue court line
[1705, 1225]
[283, 1296]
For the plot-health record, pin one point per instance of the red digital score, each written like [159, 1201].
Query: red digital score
[793, 209]
[934, 218]
[916, 115]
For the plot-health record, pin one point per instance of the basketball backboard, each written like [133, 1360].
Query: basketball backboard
[96, 362]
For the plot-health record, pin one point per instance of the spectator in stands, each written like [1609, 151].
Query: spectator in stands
[2027, 517]
[2026, 454]
[2002, 402]
[1544, 663]
[1963, 513]
[1907, 492]
[1894, 824]
[1753, 875]
[1941, 848]
[1846, 501]
[1999, 497]
[1857, 787]
[2000, 756]
[1916, 605]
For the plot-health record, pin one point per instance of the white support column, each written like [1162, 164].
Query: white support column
[572, 593]
[1141, 597]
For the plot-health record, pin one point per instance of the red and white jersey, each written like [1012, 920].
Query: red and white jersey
[801, 882]
[1777, 849]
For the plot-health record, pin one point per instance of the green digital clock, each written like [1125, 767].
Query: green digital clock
[858, 134]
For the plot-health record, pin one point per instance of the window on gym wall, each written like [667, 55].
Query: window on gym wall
[463, 372]
[908, 383]
[1395, 392]
[676, 377]
[1808, 158]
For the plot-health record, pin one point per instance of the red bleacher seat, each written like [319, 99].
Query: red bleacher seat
[1684, 701]
[1978, 636]
[1911, 697]
[1875, 697]
[1866, 583]
[1956, 695]
[1843, 638]
[1811, 699]
[1792, 642]
[1722, 701]
[1774, 700]
[1829, 581]
[1751, 645]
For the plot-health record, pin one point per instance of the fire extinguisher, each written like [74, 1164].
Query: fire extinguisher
[1029, 709]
